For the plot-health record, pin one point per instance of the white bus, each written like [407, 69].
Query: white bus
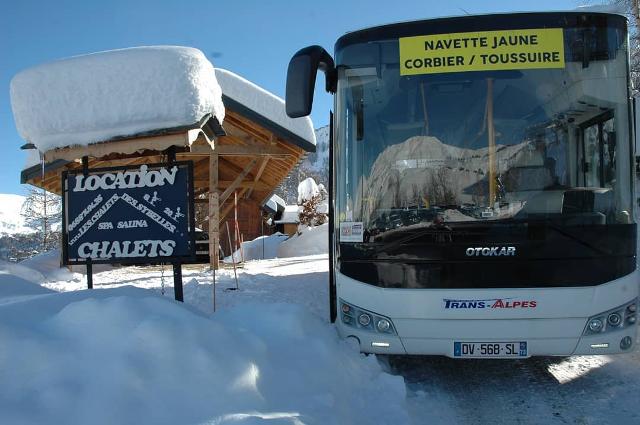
[481, 184]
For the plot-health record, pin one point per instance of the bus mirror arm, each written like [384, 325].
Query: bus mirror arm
[301, 79]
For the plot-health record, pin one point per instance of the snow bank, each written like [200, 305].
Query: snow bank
[96, 97]
[126, 356]
[307, 189]
[253, 250]
[17, 280]
[264, 103]
[48, 265]
[312, 240]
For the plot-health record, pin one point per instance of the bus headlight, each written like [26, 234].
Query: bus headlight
[383, 325]
[595, 325]
[366, 320]
[616, 319]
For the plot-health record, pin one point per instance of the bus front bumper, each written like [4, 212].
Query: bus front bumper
[614, 342]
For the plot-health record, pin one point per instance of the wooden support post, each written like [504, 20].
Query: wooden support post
[235, 221]
[89, 274]
[177, 282]
[214, 212]
[233, 260]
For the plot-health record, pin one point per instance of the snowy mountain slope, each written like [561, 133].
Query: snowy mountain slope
[318, 161]
[11, 221]
[315, 165]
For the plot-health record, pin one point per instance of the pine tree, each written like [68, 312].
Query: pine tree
[42, 211]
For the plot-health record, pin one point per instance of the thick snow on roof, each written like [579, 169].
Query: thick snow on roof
[264, 103]
[96, 97]
[274, 204]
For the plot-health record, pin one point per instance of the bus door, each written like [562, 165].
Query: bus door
[597, 152]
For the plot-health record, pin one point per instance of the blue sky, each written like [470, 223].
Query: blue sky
[252, 38]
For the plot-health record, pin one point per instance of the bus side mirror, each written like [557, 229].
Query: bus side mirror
[301, 79]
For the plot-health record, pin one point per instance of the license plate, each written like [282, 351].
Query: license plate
[490, 349]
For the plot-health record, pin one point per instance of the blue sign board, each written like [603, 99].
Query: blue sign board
[135, 215]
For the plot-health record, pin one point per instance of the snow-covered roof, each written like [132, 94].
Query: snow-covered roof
[101, 96]
[291, 214]
[274, 204]
[243, 94]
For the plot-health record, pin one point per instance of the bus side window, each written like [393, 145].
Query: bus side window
[598, 153]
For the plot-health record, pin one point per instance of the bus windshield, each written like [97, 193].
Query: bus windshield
[484, 147]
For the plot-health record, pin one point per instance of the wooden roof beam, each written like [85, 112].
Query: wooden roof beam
[236, 182]
[235, 150]
[257, 177]
[223, 184]
[225, 212]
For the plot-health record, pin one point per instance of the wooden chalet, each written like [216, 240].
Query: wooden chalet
[245, 157]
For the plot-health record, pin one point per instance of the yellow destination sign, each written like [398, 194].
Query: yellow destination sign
[482, 51]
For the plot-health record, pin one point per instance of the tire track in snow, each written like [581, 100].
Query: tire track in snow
[546, 390]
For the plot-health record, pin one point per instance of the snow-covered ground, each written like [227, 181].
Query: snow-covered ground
[125, 352]
[261, 248]
[267, 353]
[310, 241]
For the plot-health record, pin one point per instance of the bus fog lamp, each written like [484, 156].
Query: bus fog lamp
[364, 319]
[345, 308]
[631, 319]
[626, 343]
[632, 308]
[383, 325]
[614, 319]
[595, 325]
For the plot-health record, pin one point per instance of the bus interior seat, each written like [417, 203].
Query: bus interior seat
[588, 200]
[575, 206]
[542, 202]
[536, 177]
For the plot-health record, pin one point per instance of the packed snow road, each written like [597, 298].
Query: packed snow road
[568, 390]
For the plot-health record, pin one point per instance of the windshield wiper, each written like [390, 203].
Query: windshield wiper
[441, 231]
